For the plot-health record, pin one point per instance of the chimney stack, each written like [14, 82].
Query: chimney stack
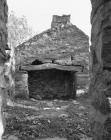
[60, 21]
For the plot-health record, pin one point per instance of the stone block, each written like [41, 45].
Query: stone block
[21, 85]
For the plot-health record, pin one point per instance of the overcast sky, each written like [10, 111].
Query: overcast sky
[39, 12]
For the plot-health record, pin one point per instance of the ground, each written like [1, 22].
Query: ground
[47, 120]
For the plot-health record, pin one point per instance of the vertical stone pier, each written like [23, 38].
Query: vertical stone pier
[3, 57]
[100, 88]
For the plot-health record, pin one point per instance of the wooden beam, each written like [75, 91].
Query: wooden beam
[51, 66]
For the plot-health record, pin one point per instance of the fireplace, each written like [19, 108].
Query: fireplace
[51, 84]
[46, 81]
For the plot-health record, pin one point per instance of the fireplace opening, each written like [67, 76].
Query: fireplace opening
[51, 84]
[36, 62]
[107, 68]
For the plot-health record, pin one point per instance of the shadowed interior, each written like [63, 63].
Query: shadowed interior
[51, 84]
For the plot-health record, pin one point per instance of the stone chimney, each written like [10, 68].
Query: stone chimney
[60, 21]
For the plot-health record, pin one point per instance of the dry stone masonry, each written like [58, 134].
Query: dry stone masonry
[19, 120]
[51, 84]
[45, 68]
[3, 57]
[100, 87]
[3, 30]
[63, 45]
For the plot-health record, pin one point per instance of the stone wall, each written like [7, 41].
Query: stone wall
[63, 43]
[101, 32]
[100, 88]
[21, 85]
[83, 81]
[3, 30]
[51, 84]
[101, 81]
[3, 56]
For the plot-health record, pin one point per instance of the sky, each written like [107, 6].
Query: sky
[39, 12]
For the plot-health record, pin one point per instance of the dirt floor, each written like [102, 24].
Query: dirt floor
[47, 120]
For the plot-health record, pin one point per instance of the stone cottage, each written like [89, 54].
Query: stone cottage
[46, 64]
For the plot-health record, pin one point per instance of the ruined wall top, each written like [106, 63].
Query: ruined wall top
[60, 21]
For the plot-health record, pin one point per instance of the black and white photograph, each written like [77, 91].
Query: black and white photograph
[55, 69]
